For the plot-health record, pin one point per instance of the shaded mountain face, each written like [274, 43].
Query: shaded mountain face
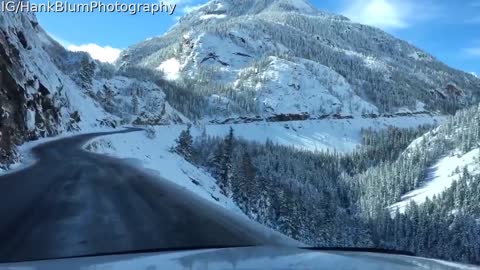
[270, 57]
[31, 98]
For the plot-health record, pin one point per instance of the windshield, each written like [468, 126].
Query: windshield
[153, 126]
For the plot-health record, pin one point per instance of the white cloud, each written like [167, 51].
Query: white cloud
[102, 54]
[474, 74]
[390, 14]
[473, 51]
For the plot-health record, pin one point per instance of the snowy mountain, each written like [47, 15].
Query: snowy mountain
[428, 167]
[286, 57]
[449, 151]
[47, 90]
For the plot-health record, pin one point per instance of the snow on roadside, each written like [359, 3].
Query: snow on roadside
[341, 135]
[26, 158]
[440, 177]
[154, 156]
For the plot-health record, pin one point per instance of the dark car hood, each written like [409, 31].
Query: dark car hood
[263, 258]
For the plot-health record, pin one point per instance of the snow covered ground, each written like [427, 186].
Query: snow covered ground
[341, 135]
[440, 176]
[153, 153]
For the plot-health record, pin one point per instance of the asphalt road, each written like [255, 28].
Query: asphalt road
[72, 202]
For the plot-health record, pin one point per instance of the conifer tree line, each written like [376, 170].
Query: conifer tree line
[383, 185]
[277, 186]
[334, 199]
[445, 226]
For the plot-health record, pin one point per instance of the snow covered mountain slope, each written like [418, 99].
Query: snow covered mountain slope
[46, 90]
[131, 95]
[428, 166]
[283, 57]
[451, 150]
[288, 87]
[441, 176]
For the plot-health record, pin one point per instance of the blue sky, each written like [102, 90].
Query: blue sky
[448, 29]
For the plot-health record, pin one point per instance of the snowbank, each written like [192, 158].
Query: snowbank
[153, 154]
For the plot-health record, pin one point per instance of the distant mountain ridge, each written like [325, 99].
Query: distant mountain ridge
[276, 57]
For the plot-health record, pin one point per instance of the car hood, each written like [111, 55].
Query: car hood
[263, 258]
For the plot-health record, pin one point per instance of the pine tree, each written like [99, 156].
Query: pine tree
[223, 163]
[135, 104]
[184, 144]
[244, 186]
[87, 72]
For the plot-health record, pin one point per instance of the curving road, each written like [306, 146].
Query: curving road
[72, 202]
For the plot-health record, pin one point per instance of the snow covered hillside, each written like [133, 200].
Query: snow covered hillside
[441, 176]
[286, 57]
[47, 90]
[428, 166]
[450, 151]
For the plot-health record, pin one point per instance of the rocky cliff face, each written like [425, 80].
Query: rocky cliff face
[29, 105]
[46, 90]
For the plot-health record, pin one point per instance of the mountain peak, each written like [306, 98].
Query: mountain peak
[250, 7]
